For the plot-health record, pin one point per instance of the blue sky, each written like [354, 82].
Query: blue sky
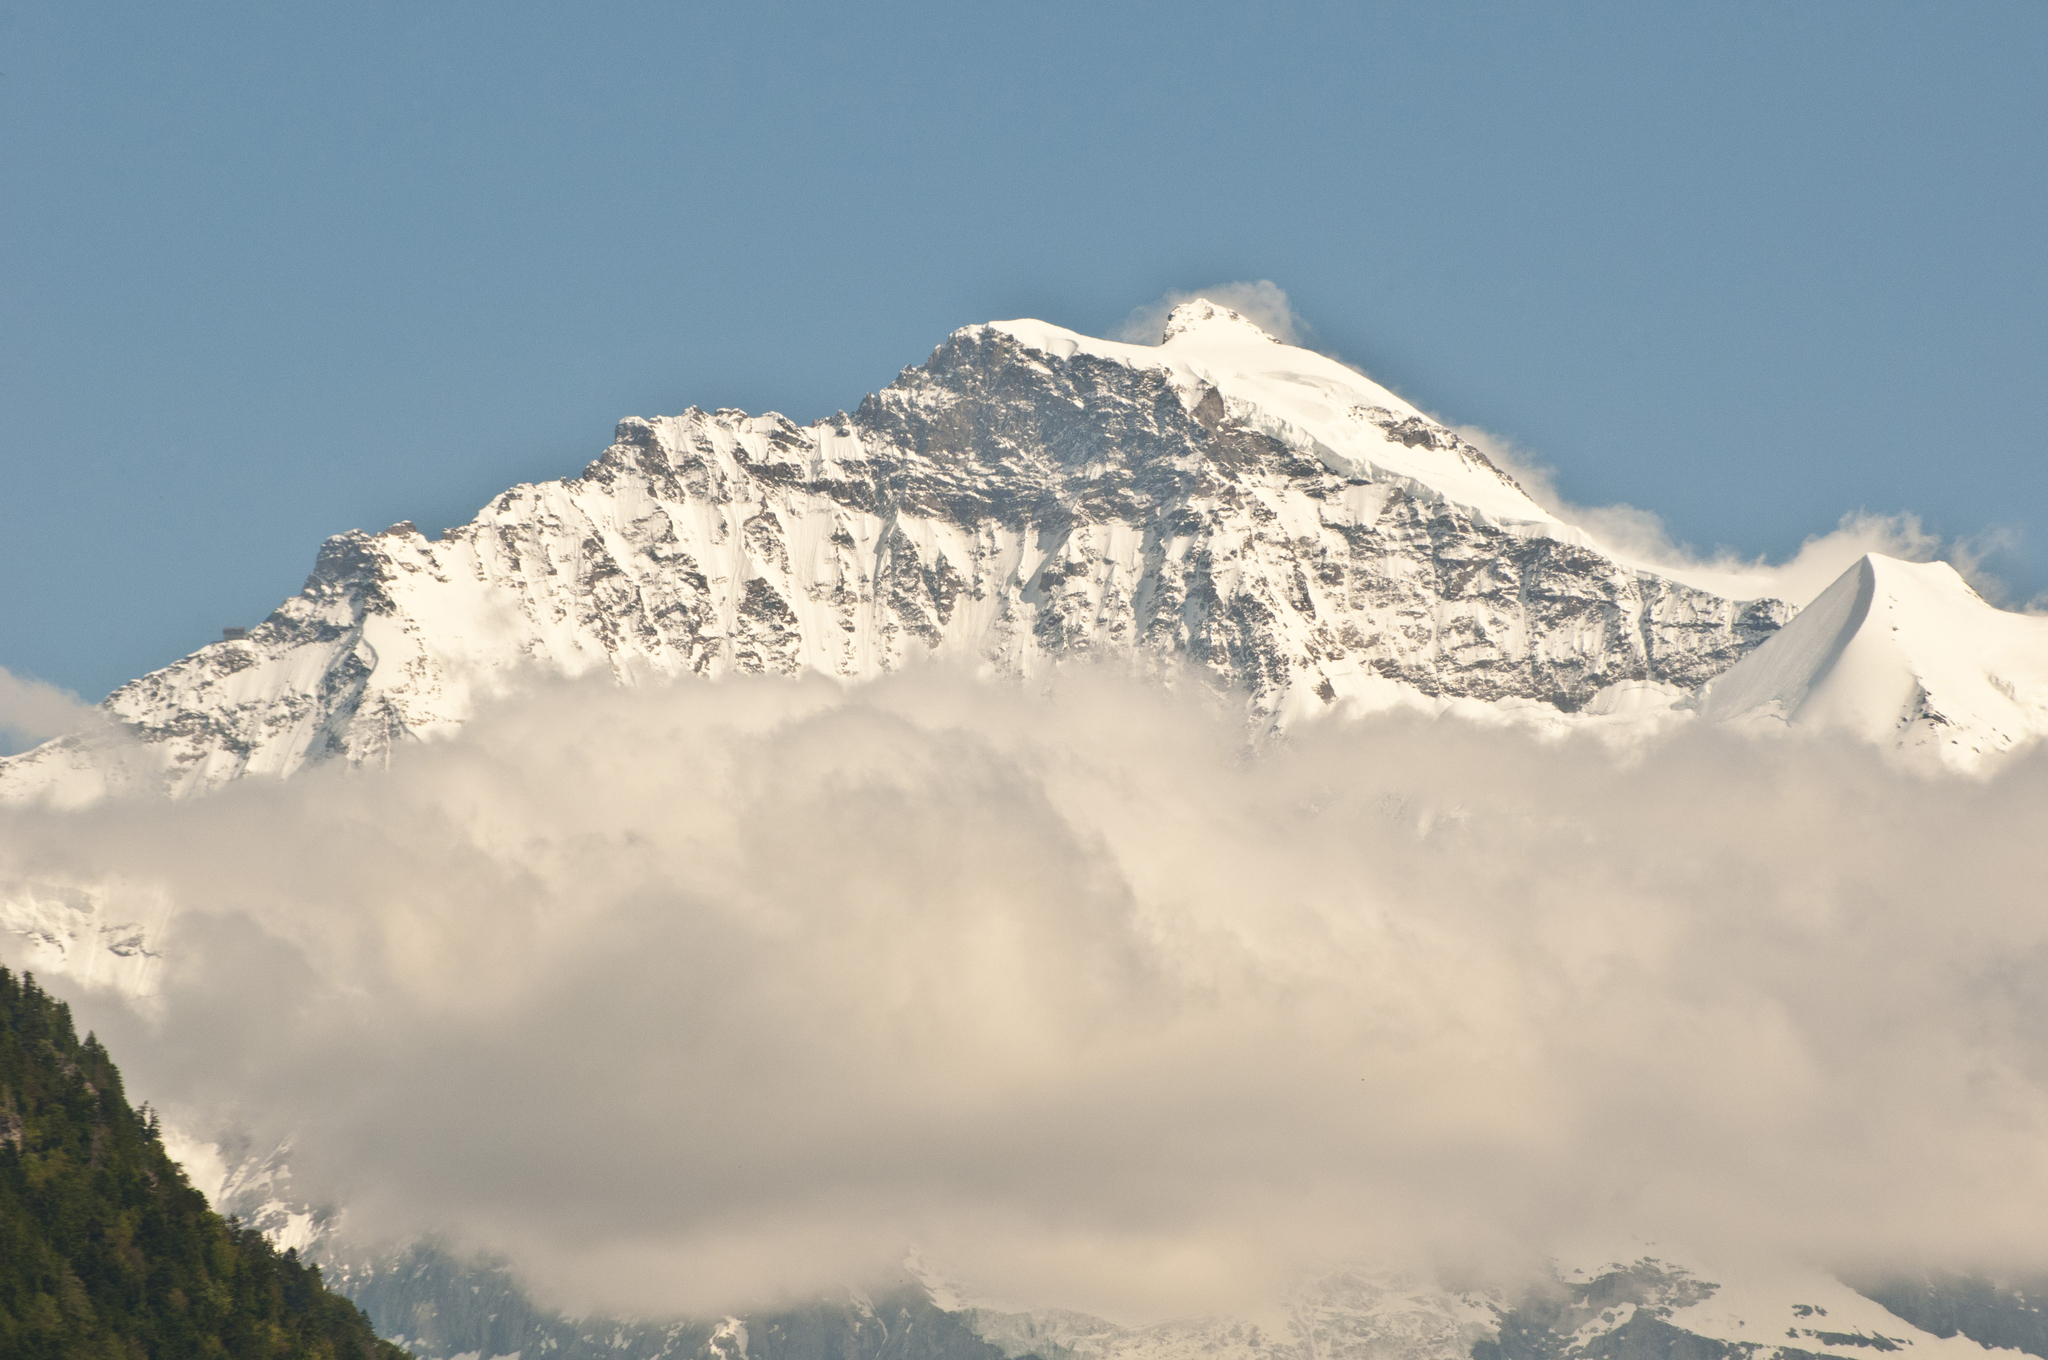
[268, 273]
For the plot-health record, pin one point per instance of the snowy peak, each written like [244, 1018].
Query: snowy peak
[1780, 676]
[1901, 653]
[1221, 503]
[1203, 317]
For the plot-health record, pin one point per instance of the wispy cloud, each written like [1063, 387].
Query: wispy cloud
[33, 711]
[1262, 301]
[1643, 536]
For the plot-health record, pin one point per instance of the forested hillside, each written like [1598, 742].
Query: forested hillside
[106, 1250]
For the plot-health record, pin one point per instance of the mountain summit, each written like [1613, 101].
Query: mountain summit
[1205, 319]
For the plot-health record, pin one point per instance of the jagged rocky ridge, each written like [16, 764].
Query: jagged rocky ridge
[1263, 515]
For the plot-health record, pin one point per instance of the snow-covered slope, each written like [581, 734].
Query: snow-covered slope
[85, 932]
[1619, 1311]
[1028, 495]
[1904, 654]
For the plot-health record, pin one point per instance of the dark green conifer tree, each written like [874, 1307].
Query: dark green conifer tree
[106, 1251]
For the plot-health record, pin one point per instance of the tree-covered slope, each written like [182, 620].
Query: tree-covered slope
[106, 1250]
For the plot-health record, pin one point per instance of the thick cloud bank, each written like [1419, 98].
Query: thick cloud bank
[685, 995]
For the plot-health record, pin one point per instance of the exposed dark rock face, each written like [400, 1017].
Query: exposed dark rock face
[1621, 1314]
[2000, 1314]
[442, 1308]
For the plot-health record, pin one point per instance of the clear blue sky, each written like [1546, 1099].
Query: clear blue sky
[269, 272]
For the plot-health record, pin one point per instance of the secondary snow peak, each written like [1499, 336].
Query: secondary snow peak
[1905, 654]
[1778, 677]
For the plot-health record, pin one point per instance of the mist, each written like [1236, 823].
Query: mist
[685, 997]
[32, 711]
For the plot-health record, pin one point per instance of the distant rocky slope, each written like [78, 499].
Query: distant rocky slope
[1259, 513]
[1644, 1309]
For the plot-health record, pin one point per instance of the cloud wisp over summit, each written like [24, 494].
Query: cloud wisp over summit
[1641, 535]
[688, 995]
[1261, 301]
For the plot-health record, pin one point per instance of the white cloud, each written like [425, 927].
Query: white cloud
[684, 995]
[1643, 536]
[33, 711]
[1263, 302]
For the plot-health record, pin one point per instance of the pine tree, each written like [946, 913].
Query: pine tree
[106, 1250]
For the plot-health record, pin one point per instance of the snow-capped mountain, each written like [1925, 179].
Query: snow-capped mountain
[1904, 654]
[1260, 512]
